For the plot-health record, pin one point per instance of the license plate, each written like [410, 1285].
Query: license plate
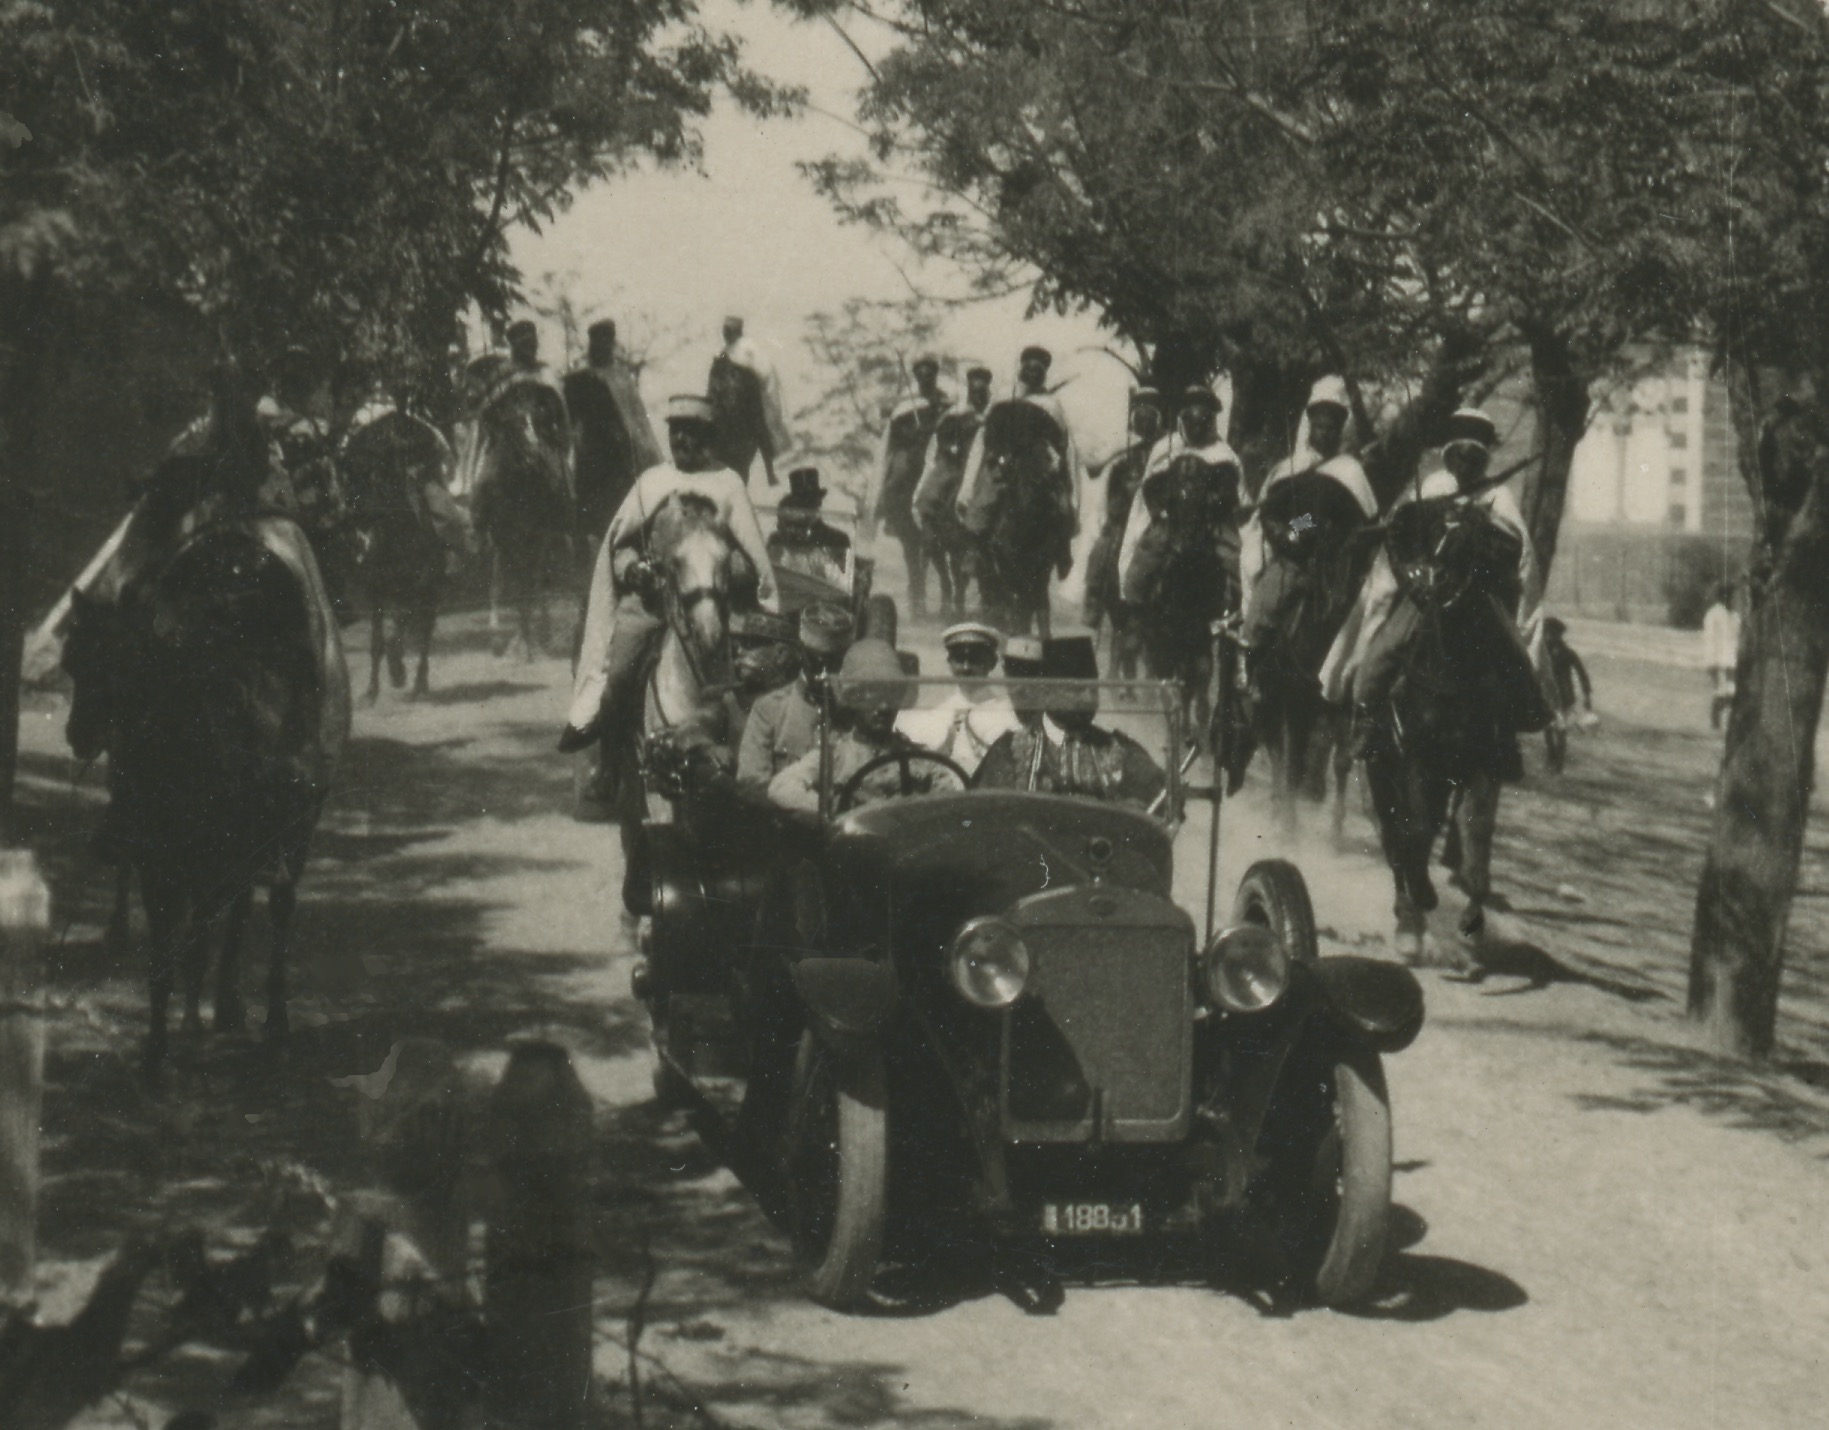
[1092, 1218]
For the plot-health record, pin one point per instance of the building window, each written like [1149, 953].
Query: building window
[1679, 514]
[1679, 404]
[1679, 440]
[1679, 476]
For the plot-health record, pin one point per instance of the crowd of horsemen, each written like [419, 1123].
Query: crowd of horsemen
[793, 670]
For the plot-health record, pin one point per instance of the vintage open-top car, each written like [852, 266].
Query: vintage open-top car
[986, 1007]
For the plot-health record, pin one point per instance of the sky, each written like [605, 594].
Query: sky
[675, 251]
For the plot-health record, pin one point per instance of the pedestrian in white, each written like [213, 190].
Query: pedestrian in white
[1721, 652]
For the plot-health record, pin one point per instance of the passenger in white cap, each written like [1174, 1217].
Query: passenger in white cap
[620, 628]
[968, 721]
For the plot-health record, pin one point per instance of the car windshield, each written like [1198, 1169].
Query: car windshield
[1112, 741]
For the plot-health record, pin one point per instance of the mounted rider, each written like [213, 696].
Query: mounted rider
[1319, 449]
[747, 410]
[622, 622]
[1064, 467]
[373, 463]
[943, 465]
[1196, 446]
[890, 500]
[523, 390]
[1123, 475]
[612, 439]
[1365, 659]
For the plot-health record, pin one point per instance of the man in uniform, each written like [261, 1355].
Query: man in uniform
[621, 626]
[905, 441]
[871, 690]
[975, 716]
[612, 440]
[1123, 474]
[1066, 751]
[802, 541]
[784, 724]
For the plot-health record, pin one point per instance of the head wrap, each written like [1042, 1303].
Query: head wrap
[689, 407]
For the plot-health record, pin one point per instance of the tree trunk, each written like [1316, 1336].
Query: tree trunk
[15, 553]
[1762, 794]
[1560, 394]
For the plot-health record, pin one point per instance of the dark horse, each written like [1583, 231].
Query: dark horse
[1446, 730]
[208, 686]
[1184, 575]
[1316, 553]
[394, 467]
[1016, 515]
[522, 501]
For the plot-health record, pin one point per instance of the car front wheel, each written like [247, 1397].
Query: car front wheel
[837, 1170]
[1333, 1189]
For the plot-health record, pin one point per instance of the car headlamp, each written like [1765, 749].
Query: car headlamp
[1245, 968]
[989, 963]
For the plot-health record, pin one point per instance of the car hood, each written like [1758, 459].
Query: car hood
[943, 858]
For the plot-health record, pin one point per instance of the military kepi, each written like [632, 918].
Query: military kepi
[825, 628]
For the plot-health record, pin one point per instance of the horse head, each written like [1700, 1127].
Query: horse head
[704, 572]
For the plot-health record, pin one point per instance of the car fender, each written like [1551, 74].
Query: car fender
[849, 998]
[1380, 1002]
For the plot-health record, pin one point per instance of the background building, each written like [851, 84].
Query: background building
[1657, 511]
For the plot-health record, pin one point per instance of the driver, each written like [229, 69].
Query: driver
[1065, 751]
[871, 690]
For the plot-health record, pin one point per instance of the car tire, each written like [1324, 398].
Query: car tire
[1274, 895]
[838, 1171]
[1335, 1200]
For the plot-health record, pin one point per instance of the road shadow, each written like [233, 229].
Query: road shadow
[1743, 1095]
[478, 692]
[1499, 956]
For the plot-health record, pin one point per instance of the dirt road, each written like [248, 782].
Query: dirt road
[1598, 1225]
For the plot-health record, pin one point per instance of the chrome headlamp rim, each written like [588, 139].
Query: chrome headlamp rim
[1004, 985]
[1245, 969]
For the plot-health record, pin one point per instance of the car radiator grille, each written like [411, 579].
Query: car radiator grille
[1100, 1047]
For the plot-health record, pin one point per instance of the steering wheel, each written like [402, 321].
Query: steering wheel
[847, 796]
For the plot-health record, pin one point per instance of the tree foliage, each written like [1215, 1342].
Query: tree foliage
[337, 173]
[860, 357]
[1397, 191]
